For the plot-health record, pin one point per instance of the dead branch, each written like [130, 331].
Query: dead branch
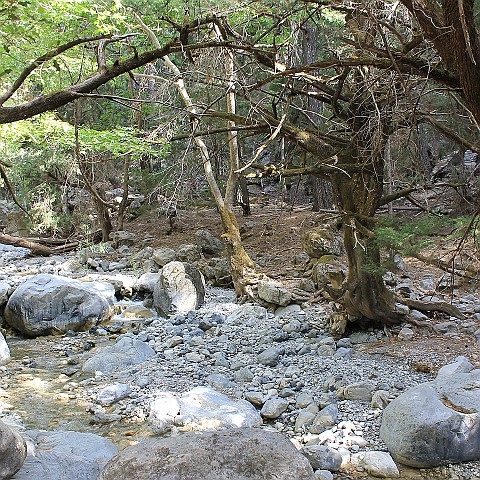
[36, 248]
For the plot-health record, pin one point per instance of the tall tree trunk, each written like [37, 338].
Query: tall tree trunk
[321, 189]
[241, 265]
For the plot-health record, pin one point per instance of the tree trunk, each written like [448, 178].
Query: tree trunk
[366, 295]
[321, 189]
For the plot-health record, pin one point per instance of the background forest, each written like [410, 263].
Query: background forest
[113, 109]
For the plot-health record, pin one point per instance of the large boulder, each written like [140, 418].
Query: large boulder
[438, 422]
[13, 451]
[49, 304]
[238, 454]
[65, 455]
[179, 289]
[127, 351]
[202, 408]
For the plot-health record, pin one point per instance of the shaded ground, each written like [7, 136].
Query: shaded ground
[273, 238]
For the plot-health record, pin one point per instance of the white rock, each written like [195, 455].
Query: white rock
[113, 393]
[378, 464]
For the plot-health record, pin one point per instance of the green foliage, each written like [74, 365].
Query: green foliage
[410, 236]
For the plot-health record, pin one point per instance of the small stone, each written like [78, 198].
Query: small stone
[305, 418]
[377, 464]
[322, 457]
[304, 399]
[356, 391]
[323, 475]
[255, 398]
[274, 407]
[194, 357]
[405, 334]
[380, 399]
[293, 326]
[113, 393]
[244, 375]
[270, 357]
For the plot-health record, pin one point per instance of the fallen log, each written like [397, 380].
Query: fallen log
[36, 247]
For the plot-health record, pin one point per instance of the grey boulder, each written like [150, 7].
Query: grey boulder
[179, 289]
[238, 454]
[438, 422]
[65, 455]
[127, 351]
[50, 304]
[13, 451]
[274, 293]
[208, 243]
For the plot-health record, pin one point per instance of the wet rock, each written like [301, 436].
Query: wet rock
[49, 304]
[113, 393]
[13, 451]
[239, 454]
[202, 408]
[127, 351]
[322, 457]
[179, 289]
[208, 243]
[436, 423]
[66, 455]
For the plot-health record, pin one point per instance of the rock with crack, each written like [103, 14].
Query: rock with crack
[238, 454]
[179, 289]
[438, 422]
[50, 304]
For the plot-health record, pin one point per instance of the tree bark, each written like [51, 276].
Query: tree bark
[358, 197]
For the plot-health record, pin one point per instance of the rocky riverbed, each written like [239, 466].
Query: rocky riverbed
[281, 369]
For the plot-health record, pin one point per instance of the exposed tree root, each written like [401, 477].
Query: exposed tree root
[444, 307]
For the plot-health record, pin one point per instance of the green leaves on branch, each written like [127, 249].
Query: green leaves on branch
[49, 132]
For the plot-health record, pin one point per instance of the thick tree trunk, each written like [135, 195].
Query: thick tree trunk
[358, 196]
